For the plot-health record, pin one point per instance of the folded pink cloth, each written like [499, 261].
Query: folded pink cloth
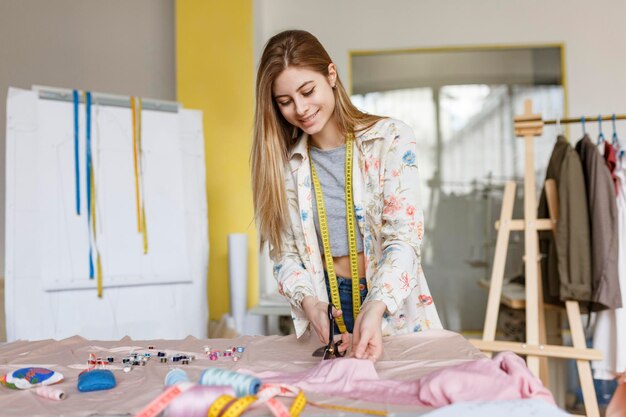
[505, 377]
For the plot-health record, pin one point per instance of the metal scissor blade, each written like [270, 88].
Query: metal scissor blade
[320, 351]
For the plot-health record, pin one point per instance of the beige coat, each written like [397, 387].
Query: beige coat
[604, 234]
[566, 270]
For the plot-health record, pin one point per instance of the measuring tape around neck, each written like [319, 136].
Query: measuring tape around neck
[321, 213]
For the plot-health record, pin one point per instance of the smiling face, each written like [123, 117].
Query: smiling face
[306, 100]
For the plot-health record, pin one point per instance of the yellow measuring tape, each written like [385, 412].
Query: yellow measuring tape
[298, 405]
[133, 105]
[229, 406]
[136, 105]
[350, 409]
[321, 213]
[143, 228]
[94, 231]
[92, 205]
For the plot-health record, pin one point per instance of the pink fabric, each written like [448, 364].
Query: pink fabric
[505, 377]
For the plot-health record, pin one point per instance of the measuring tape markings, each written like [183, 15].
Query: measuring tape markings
[267, 395]
[161, 402]
[330, 266]
[229, 406]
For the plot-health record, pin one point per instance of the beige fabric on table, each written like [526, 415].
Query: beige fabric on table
[406, 357]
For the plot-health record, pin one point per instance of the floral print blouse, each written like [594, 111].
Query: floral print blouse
[386, 202]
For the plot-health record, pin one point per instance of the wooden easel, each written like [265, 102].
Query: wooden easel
[535, 348]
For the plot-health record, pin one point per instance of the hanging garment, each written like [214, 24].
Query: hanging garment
[505, 377]
[610, 157]
[610, 333]
[603, 218]
[566, 270]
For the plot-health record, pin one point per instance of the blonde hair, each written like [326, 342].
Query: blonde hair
[274, 136]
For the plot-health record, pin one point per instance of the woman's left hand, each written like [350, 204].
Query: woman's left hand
[367, 339]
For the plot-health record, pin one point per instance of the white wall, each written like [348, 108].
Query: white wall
[592, 32]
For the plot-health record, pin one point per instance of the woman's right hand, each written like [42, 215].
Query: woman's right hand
[316, 312]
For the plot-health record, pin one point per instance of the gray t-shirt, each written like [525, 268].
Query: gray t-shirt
[330, 166]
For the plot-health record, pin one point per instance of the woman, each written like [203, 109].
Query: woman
[307, 135]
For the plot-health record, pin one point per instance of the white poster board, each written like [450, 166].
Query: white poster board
[65, 234]
[158, 294]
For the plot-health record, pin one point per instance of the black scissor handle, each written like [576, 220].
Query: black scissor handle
[331, 350]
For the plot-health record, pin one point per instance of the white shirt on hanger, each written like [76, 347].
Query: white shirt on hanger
[610, 331]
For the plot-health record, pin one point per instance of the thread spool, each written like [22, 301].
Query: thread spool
[50, 393]
[196, 401]
[241, 383]
[176, 376]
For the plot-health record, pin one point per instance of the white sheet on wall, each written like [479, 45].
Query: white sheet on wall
[65, 234]
[48, 291]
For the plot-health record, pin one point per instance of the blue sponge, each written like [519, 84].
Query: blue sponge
[96, 380]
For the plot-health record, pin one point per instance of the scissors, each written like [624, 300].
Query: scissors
[331, 351]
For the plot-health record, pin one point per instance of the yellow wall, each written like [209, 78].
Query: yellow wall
[215, 74]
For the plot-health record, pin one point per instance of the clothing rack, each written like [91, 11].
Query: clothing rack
[536, 350]
[587, 119]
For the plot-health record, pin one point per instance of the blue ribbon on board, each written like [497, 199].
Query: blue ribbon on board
[88, 176]
[76, 162]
